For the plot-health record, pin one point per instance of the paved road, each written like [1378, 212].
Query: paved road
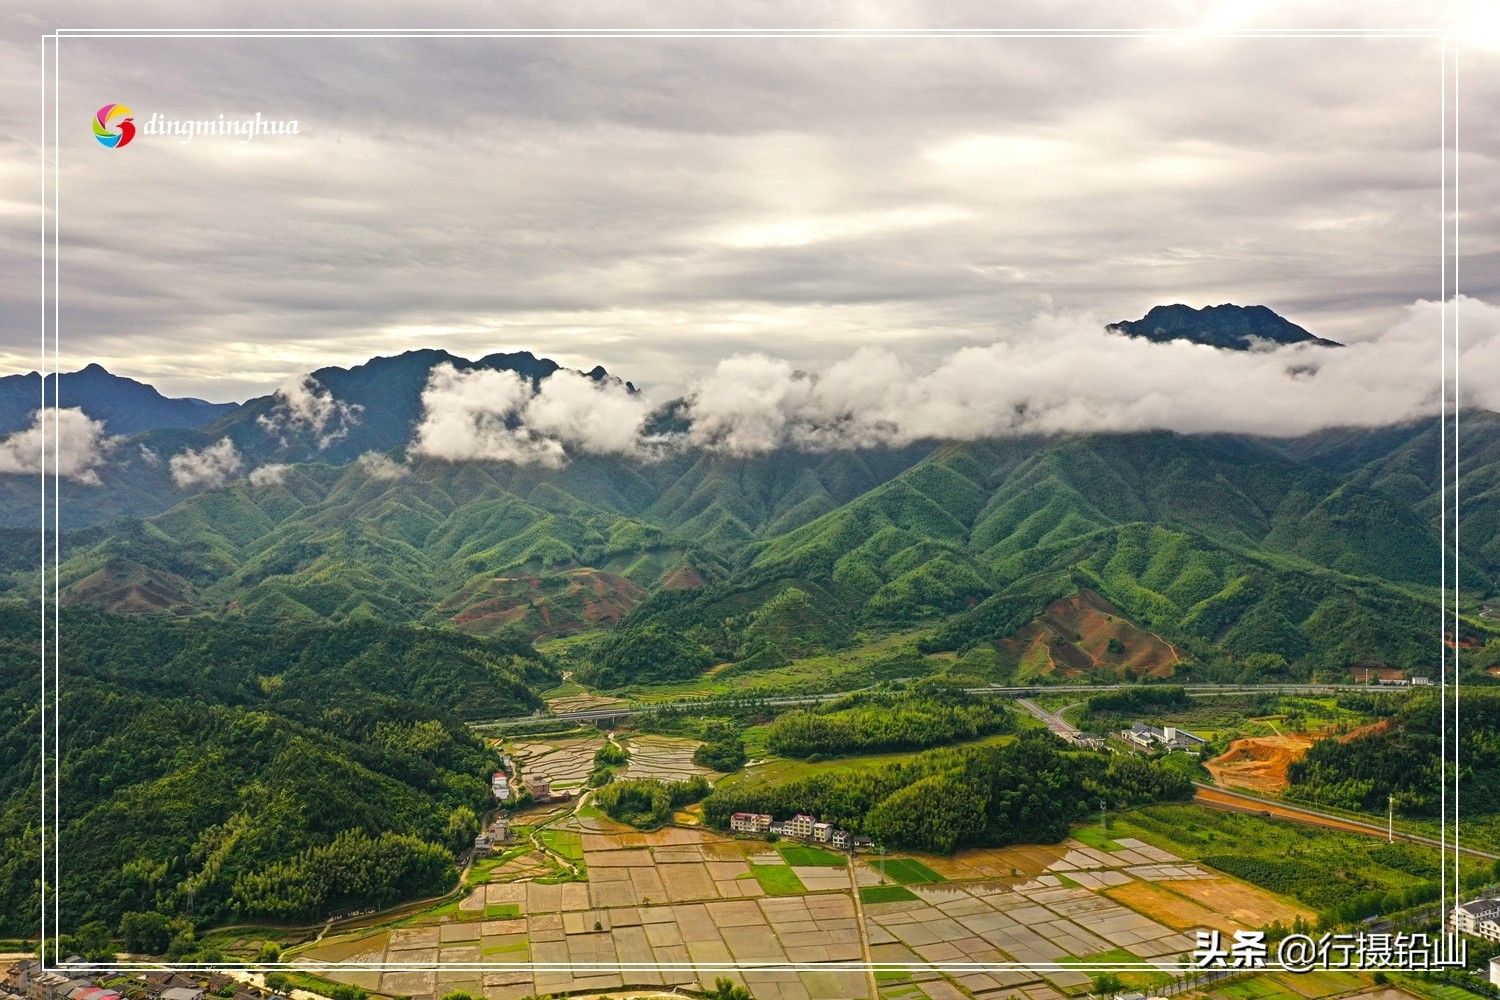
[1193, 690]
[1054, 720]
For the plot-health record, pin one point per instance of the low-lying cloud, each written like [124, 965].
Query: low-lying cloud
[1062, 375]
[1058, 374]
[303, 405]
[378, 466]
[273, 474]
[205, 467]
[495, 416]
[76, 446]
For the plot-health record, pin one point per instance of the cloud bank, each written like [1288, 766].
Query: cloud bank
[1056, 375]
[1062, 375]
[77, 446]
[484, 415]
[205, 467]
[304, 405]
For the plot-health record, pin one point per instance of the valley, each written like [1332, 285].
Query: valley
[1022, 680]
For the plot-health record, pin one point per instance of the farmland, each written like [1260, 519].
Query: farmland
[676, 896]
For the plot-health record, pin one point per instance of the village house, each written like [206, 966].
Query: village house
[843, 840]
[822, 832]
[18, 976]
[750, 822]
[538, 786]
[51, 986]
[800, 825]
[500, 786]
[1479, 918]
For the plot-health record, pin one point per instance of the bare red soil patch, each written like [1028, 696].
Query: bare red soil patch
[1259, 763]
[548, 605]
[1084, 632]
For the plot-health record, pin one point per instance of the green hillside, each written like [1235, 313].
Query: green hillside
[235, 773]
[1129, 555]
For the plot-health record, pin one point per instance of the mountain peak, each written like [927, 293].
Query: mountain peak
[1227, 326]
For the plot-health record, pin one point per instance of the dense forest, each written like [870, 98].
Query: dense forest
[940, 800]
[249, 775]
[925, 715]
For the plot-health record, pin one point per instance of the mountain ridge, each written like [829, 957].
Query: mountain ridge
[124, 405]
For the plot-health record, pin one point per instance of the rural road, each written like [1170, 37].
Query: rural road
[1224, 799]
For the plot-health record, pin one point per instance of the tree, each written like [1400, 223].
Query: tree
[727, 989]
[1106, 983]
[147, 933]
[344, 991]
[92, 941]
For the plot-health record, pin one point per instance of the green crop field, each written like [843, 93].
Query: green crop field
[778, 880]
[885, 894]
[811, 857]
[907, 871]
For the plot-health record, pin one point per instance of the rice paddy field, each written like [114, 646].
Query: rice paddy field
[582, 891]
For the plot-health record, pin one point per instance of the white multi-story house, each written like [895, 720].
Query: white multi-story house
[843, 839]
[800, 825]
[1495, 971]
[1478, 917]
[822, 832]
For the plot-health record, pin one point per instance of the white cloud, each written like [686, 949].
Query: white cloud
[485, 415]
[269, 475]
[150, 457]
[205, 467]
[303, 404]
[378, 466]
[77, 446]
[1063, 374]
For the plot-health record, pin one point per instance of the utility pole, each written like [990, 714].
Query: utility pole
[1390, 819]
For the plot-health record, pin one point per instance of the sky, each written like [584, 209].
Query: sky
[660, 205]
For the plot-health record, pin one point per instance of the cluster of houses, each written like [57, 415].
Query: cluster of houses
[27, 980]
[1367, 675]
[1169, 738]
[800, 826]
[497, 833]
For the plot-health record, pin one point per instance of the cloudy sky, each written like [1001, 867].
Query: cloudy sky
[656, 205]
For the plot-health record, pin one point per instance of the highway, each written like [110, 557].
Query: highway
[1193, 690]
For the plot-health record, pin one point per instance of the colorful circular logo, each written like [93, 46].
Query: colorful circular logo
[110, 131]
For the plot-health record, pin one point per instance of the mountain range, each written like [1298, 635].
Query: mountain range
[1067, 555]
